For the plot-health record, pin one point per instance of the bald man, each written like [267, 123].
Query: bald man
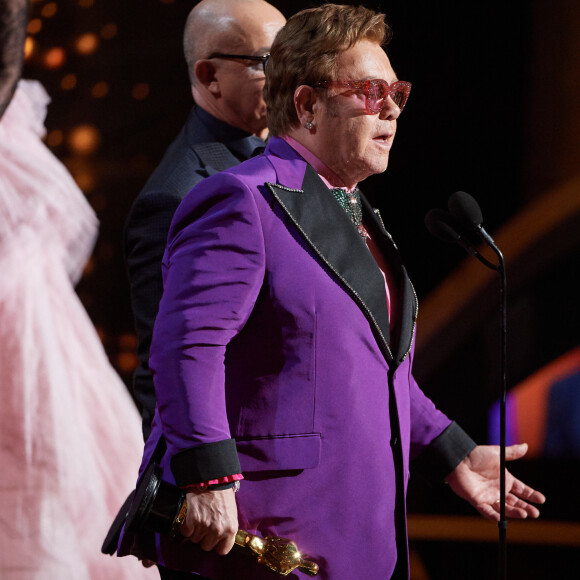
[225, 42]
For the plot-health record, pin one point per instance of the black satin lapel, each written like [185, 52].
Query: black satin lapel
[333, 237]
[407, 297]
[408, 317]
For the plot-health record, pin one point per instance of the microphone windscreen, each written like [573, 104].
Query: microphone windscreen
[464, 207]
[439, 224]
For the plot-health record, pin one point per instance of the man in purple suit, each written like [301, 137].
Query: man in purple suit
[283, 347]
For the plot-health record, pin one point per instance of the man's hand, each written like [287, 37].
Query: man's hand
[211, 520]
[476, 479]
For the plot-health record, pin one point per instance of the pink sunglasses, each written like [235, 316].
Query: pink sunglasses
[376, 92]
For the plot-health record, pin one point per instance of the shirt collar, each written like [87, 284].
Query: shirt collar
[324, 172]
[240, 142]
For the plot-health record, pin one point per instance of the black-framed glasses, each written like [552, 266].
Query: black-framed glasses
[376, 92]
[263, 59]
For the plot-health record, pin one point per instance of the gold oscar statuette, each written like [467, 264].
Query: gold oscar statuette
[279, 554]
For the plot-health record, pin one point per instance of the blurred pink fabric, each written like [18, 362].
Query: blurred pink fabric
[70, 435]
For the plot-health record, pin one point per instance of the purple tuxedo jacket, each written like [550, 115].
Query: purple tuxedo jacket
[273, 345]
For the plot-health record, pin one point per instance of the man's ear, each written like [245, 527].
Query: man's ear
[305, 100]
[206, 77]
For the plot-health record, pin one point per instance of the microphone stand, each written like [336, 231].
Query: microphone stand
[502, 524]
[465, 213]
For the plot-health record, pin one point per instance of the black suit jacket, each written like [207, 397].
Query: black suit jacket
[203, 147]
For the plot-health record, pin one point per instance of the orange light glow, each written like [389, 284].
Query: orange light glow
[85, 180]
[84, 139]
[87, 43]
[54, 138]
[68, 82]
[127, 362]
[34, 26]
[29, 47]
[89, 266]
[55, 58]
[109, 31]
[49, 10]
[100, 90]
[128, 340]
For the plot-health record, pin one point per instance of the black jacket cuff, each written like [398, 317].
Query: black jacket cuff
[205, 462]
[444, 454]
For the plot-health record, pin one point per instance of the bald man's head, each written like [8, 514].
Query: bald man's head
[224, 26]
[230, 88]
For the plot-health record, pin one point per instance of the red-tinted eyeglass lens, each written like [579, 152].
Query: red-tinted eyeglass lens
[380, 90]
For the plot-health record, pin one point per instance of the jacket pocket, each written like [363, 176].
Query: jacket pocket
[283, 452]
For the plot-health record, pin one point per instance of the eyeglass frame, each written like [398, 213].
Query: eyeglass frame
[263, 58]
[366, 85]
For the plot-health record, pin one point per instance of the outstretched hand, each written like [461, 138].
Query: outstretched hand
[476, 480]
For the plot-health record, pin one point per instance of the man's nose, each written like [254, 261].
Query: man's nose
[390, 110]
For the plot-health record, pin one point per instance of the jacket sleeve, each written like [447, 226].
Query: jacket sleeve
[438, 444]
[213, 270]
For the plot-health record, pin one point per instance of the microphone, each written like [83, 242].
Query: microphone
[445, 226]
[467, 211]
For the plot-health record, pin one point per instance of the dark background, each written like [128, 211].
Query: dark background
[488, 114]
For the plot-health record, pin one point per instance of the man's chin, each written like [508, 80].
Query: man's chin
[380, 166]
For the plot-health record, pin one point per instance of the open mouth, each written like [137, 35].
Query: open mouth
[382, 139]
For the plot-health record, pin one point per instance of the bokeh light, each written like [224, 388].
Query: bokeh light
[100, 90]
[55, 138]
[54, 58]
[89, 267]
[85, 179]
[84, 139]
[34, 26]
[68, 82]
[49, 10]
[87, 43]
[29, 47]
[109, 31]
[127, 361]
